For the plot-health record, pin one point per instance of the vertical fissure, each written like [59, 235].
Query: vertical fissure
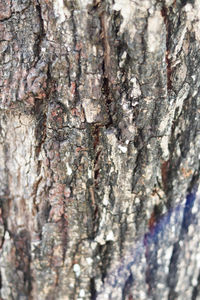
[93, 291]
[77, 50]
[106, 66]
[165, 15]
[196, 289]
[126, 291]
[41, 35]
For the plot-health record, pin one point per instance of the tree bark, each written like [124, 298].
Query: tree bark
[99, 149]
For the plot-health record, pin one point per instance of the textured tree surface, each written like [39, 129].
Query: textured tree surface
[99, 149]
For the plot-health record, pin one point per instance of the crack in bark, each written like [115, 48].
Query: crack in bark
[127, 288]
[165, 15]
[137, 169]
[105, 254]
[106, 45]
[164, 174]
[93, 291]
[23, 258]
[40, 110]
[77, 50]
[97, 153]
[34, 193]
[95, 146]
[106, 67]
[196, 289]
[41, 35]
[41, 129]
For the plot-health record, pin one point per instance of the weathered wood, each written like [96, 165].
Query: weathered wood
[99, 149]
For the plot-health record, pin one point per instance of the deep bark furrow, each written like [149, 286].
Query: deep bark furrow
[99, 149]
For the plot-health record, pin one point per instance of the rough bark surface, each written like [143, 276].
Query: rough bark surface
[99, 149]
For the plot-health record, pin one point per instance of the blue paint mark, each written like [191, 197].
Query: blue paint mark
[188, 216]
[160, 237]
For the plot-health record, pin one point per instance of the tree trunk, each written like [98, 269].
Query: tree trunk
[99, 149]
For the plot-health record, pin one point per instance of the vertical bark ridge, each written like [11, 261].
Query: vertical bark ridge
[99, 149]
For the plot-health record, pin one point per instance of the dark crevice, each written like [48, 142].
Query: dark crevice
[93, 291]
[35, 188]
[108, 98]
[196, 289]
[111, 193]
[165, 15]
[41, 35]
[96, 168]
[23, 257]
[41, 128]
[140, 160]
[40, 107]
[172, 277]
[40, 112]
[127, 288]
[6, 19]
[164, 174]
[68, 70]
[106, 65]
[105, 253]
[97, 152]
[188, 217]
[155, 217]
[93, 211]
[96, 136]
[46, 212]
[77, 51]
